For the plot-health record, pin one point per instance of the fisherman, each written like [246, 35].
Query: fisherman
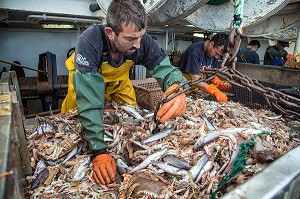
[205, 54]
[276, 55]
[249, 53]
[99, 70]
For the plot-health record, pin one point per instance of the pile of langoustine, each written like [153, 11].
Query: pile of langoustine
[188, 158]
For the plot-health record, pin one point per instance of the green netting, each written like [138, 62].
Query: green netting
[239, 164]
[217, 2]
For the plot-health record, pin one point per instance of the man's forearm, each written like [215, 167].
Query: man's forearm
[201, 85]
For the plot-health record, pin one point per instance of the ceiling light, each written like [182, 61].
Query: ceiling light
[60, 26]
[190, 25]
[198, 35]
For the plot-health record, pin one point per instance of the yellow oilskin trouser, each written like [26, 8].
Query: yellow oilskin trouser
[193, 88]
[118, 86]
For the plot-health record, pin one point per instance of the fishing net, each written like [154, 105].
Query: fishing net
[239, 164]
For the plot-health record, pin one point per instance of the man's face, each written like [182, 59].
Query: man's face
[214, 52]
[128, 40]
[280, 47]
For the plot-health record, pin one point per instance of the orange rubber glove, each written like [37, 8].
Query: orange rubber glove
[220, 96]
[174, 108]
[289, 56]
[222, 85]
[105, 170]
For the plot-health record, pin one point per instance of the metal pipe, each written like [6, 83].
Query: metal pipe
[19, 65]
[37, 18]
[297, 44]
[167, 39]
[47, 113]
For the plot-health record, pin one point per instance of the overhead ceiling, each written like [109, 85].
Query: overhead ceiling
[32, 14]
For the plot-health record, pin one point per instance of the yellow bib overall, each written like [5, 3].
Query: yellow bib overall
[193, 88]
[118, 86]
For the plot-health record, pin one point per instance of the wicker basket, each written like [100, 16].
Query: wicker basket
[147, 92]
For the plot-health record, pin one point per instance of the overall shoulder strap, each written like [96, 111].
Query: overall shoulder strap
[105, 45]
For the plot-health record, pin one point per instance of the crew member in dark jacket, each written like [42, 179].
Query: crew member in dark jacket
[276, 55]
[248, 54]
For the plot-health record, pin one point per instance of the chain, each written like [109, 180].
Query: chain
[181, 88]
[287, 105]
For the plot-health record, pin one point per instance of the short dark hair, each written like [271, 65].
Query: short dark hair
[254, 43]
[283, 43]
[125, 12]
[220, 39]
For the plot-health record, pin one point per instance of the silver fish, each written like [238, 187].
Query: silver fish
[170, 169]
[202, 141]
[40, 179]
[148, 115]
[108, 139]
[41, 165]
[272, 117]
[133, 122]
[173, 160]
[153, 157]
[83, 164]
[74, 152]
[140, 144]
[44, 128]
[207, 167]
[194, 171]
[233, 158]
[122, 166]
[158, 135]
[209, 125]
[131, 111]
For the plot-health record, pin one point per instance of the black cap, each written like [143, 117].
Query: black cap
[284, 43]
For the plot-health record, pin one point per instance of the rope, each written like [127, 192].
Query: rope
[239, 164]
[238, 12]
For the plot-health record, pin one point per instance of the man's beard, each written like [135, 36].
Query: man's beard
[122, 50]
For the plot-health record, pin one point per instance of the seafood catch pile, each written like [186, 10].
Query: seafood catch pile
[293, 63]
[205, 153]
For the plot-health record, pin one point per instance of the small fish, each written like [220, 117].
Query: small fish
[296, 139]
[207, 167]
[41, 178]
[140, 145]
[83, 164]
[194, 171]
[108, 139]
[209, 125]
[41, 165]
[44, 128]
[158, 135]
[173, 160]
[74, 151]
[170, 169]
[122, 166]
[148, 115]
[133, 122]
[202, 141]
[131, 111]
[233, 158]
[272, 117]
[153, 157]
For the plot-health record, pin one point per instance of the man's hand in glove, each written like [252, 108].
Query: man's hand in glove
[172, 109]
[220, 96]
[289, 56]
[222, 85]
[104, 167]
